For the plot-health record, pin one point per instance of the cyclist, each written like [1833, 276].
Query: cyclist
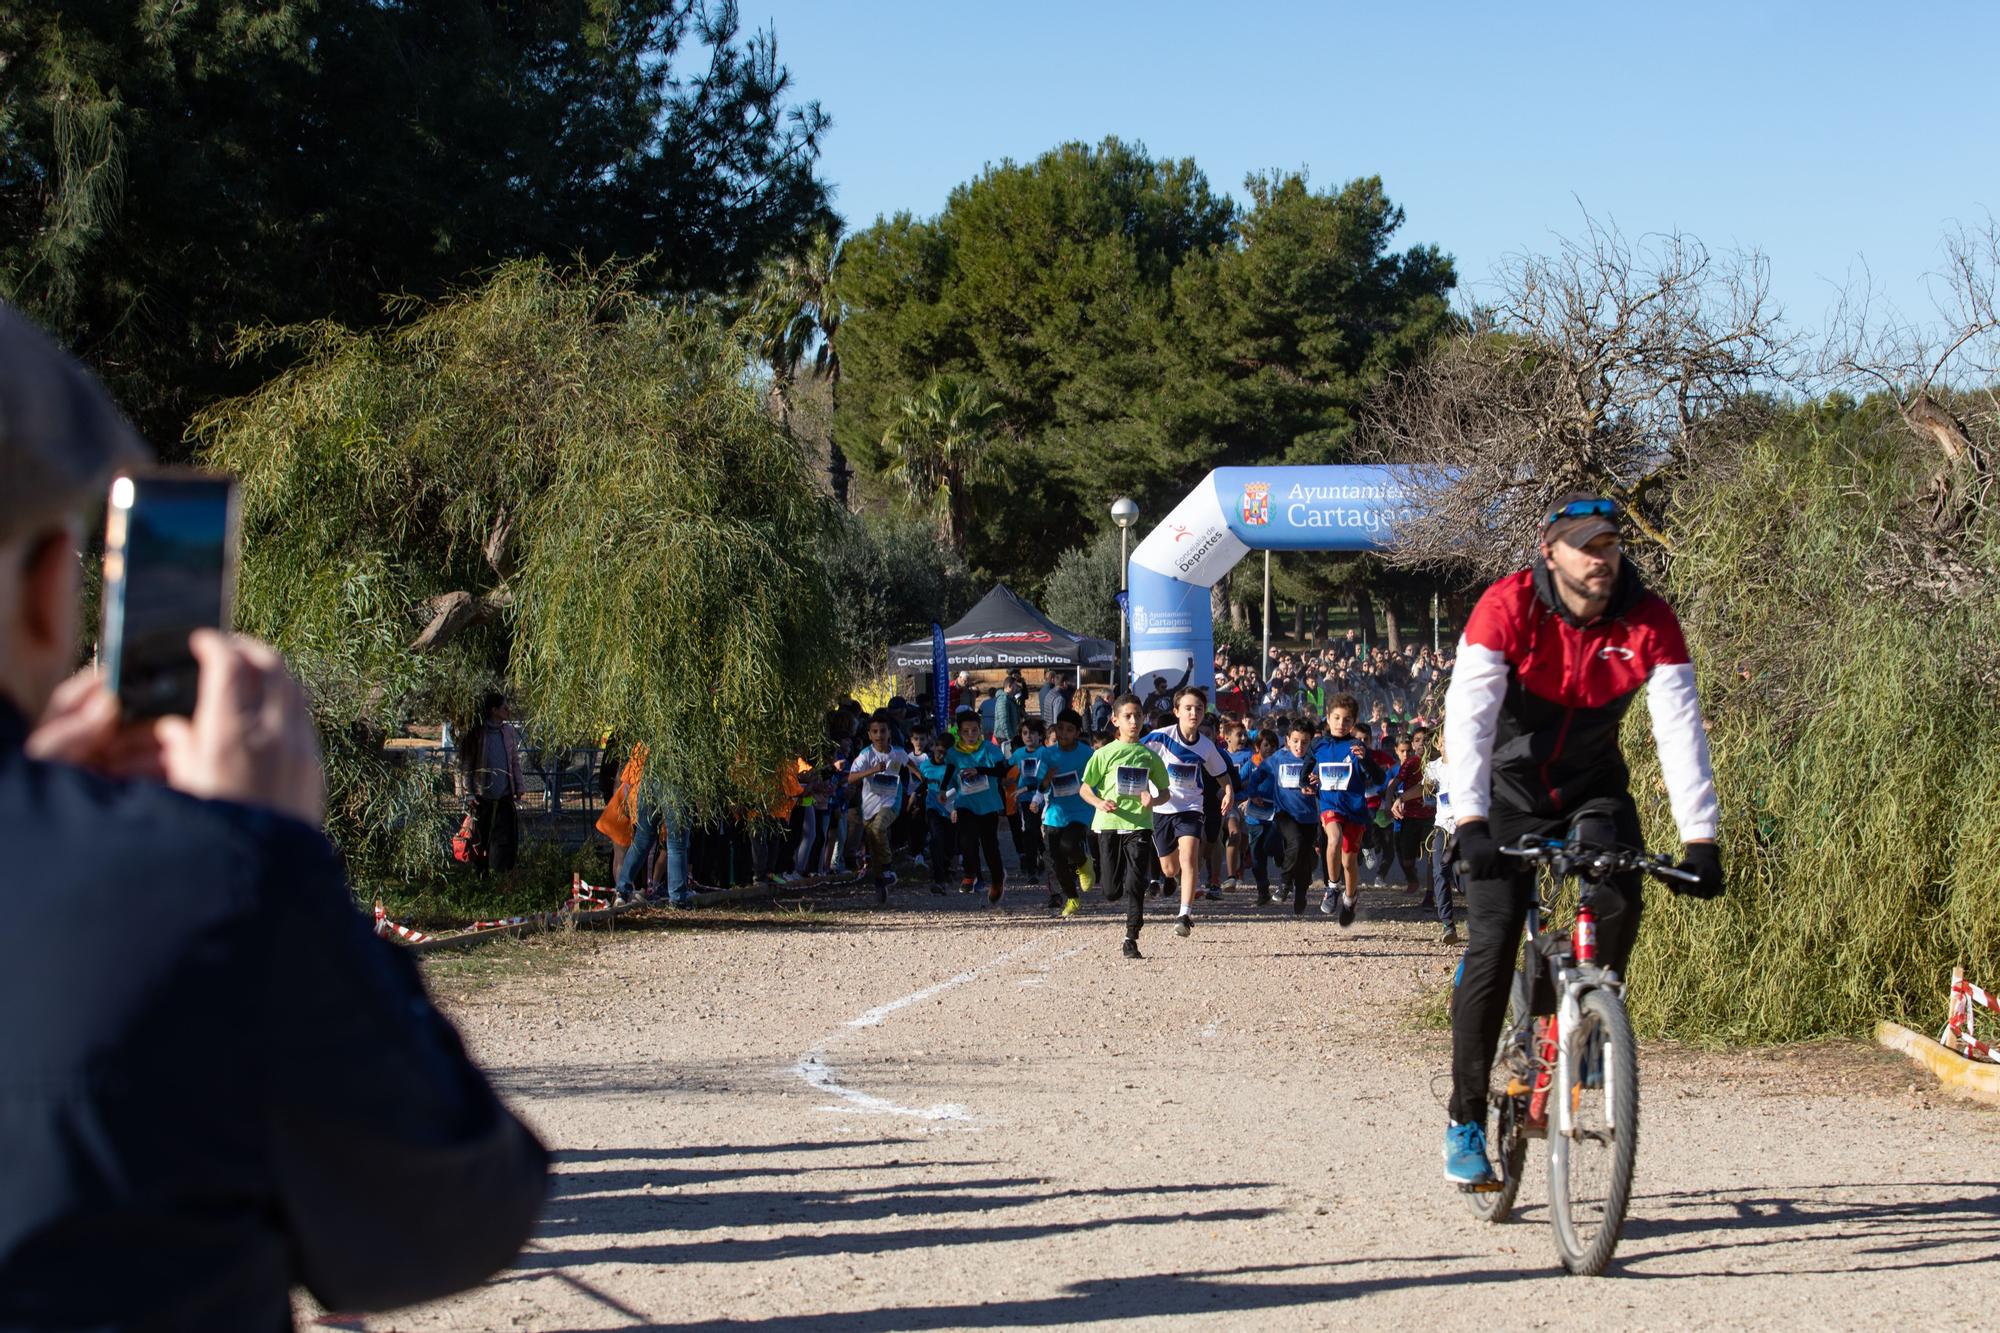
[1548, 664]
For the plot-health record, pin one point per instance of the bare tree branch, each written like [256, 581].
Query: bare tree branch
[1591, 369]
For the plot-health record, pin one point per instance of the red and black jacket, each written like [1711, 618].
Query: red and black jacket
[1537, 699]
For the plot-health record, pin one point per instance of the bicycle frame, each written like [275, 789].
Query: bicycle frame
[1571, 978]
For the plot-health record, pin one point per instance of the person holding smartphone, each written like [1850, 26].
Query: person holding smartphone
[230, 1086]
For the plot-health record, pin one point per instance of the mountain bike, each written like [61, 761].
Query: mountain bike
[1572, 1079]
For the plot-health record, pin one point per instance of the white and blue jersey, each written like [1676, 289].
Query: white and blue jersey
[1187, 762]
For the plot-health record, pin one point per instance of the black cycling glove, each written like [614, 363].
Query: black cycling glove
[1478, 854]
[1703, 859]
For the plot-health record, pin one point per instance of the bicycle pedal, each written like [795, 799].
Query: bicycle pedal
[1488, 1187]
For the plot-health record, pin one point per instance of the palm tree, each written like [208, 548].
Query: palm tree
[797, 309]
[938, 447]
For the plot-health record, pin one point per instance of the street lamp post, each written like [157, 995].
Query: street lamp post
[1124, 512]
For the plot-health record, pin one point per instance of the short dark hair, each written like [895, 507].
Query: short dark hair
[1300, 726]
[1034, 724]
[1128, 700]
[1347, 701]
[1071, 716]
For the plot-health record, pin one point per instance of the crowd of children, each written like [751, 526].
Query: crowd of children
[1181, 802]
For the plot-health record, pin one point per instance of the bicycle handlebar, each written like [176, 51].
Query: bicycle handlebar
[1603, 860]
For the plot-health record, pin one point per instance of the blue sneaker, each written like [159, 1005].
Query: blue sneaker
[1465, 1156]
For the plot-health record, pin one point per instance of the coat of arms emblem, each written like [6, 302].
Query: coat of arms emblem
[1257, 503]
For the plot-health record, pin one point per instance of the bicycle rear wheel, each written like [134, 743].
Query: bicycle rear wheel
[1590, 1168]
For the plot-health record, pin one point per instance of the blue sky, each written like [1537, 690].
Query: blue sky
[1823, 134]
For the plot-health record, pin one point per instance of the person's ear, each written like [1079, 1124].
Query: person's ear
[48, 593]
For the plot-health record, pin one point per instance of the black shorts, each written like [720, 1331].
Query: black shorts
[1168, 830]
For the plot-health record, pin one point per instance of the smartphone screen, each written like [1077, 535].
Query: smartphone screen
[169, 569]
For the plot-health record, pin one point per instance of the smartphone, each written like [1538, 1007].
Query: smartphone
[169, 569]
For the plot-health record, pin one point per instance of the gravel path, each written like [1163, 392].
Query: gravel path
[935, 1115]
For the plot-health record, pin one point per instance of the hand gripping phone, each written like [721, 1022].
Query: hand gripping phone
[170, 541]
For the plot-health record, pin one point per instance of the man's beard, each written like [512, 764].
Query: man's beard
[1582, 590]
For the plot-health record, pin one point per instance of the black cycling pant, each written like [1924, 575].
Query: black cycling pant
[1068, 845]
[1263, 843]
[1496, 910]
[1299, 859]
[1126, 860]
[944, 844]
[977, 833]
[1026, 828]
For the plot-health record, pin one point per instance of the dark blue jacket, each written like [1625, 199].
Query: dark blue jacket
[215, 1082]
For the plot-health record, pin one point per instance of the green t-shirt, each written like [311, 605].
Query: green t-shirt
[1118, 773]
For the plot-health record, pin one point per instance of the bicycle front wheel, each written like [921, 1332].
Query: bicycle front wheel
[1590, 1166]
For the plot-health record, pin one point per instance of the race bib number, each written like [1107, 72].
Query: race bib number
[883, 782]
[1065, 784]
[971, 782]
[1133, 780]
[1291, 776]
[1183, 777]
[1030, 769]
[1333, 776]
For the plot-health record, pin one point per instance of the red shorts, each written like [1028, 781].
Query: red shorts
[1350, 832]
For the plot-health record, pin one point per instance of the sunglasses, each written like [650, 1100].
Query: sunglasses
[1584, 509]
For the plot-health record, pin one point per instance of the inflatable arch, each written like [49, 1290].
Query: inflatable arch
[1233, 511]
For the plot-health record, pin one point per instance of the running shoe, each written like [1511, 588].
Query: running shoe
[1070, 906]
[1263, 897]
[1086, 876]
[993, 894]
[1185, 926]
[888, 880]
[970, 886]
[1451, 934]
[1132, 949]
[1229, 884]
[1326, 904]
[1465, 1156]
[1214, 894]
[1347, 906]
[937, 888]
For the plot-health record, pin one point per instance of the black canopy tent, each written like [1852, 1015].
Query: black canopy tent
[1001, 632]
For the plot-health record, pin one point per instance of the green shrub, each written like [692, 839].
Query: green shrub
[1856, 752]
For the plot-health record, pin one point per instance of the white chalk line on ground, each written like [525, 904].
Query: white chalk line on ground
[1047, 969]
[818, 1074]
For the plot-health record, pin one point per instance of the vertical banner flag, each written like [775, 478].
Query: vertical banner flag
[1120, 670]
[940, 677]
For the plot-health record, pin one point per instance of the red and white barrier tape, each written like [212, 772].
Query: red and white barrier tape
[585, 897]
[1958, 1034]
[385, 927]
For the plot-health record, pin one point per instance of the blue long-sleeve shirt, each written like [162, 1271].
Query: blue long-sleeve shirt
[228, 1086]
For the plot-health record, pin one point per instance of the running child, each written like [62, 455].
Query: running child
[982, 772]
[1030, 757]
[1122, 783]
[1344, 770]
[1193, 762]
[1296, 781]
[940, 807]
[878, 771]
[1066, 815]
[1257, 780]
